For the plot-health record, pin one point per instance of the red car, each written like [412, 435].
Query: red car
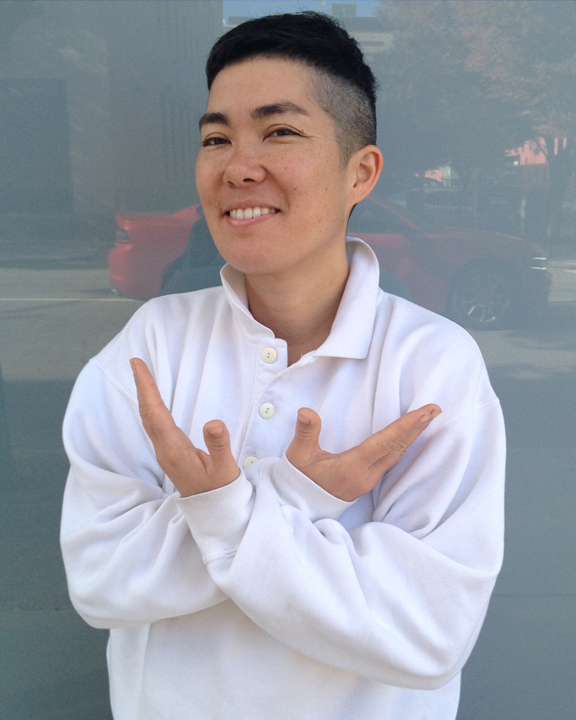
[480, 279]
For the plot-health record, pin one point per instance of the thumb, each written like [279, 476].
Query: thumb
[305, 445]
[220, 463]
[217, 439]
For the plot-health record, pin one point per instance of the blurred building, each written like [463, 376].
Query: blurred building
[99, 104]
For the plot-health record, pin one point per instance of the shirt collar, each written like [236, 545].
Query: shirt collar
[235, 289]
[351, 332]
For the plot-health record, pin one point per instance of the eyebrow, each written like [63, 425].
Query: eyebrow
[219, 118]
[213, 118]
[277, 109]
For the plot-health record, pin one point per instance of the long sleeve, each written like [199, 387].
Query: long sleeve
[399, 599]
[129, 556]
[270, 592]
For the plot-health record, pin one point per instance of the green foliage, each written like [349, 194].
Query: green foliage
[466, 81]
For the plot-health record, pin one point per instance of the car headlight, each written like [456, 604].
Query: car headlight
[539, 263]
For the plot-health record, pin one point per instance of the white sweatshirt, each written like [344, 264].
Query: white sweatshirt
[269, 598]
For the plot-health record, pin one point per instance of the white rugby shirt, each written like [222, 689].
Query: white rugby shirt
[269, 597]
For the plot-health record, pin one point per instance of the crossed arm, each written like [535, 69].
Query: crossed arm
[346, 475]
[412, 584]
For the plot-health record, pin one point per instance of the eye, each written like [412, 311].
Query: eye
[213, 141]
[282, 132]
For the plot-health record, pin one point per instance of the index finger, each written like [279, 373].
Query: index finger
[155, 415]
[397, 437]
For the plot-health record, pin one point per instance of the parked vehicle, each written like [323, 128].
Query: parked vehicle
[146, 243]
[478, 278]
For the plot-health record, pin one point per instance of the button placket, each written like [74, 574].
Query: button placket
[265, 376]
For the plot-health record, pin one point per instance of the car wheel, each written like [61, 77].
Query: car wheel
[483, 298]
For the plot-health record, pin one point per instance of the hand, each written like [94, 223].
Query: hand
[351, 473]
[191, 470]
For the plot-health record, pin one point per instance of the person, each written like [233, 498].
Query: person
[290, 506]
[199, 267]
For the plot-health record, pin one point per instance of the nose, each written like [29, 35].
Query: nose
[244, 167]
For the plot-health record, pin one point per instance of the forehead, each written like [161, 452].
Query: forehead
[264, 81]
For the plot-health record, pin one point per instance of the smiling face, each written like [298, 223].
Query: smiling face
[273, 188]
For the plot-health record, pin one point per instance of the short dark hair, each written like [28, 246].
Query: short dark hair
[344, 85]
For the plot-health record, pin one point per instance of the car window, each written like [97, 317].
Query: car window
[368, 217]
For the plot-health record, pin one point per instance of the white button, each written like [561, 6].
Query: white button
[250, 460]
[266, 410]
[269, 355]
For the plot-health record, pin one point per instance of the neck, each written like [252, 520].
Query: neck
[299, 309]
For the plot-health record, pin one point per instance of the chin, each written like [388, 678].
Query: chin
[254, 268]
[251, 262]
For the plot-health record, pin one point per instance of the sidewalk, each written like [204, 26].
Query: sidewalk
[52, 667]
[44, 253]
[52, 664]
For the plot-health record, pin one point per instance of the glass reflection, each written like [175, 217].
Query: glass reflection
[99, 103]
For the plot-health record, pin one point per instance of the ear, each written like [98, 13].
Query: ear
[365, 167]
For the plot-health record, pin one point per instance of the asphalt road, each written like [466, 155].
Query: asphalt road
[52, 665]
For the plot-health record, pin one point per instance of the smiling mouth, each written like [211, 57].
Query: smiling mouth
[253, 212]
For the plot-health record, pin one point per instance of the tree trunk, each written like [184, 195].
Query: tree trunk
[465, 171]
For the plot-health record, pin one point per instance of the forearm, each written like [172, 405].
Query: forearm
[128, 552]
[399, 607]
[133, 561]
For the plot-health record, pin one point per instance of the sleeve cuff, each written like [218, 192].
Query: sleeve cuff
[218, 518]
[298, 490]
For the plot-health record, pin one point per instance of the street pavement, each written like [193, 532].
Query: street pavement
[52, 665]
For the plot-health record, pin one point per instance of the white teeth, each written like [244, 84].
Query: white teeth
[248, 213]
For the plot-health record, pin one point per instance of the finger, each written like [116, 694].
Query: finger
[393, 441]
[156, 417]
[174, 450]
[220, 463]
[217, 439]
[304, 446]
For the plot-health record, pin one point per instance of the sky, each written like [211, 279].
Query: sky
[255, 8]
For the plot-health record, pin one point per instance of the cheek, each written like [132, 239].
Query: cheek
[206, 178]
